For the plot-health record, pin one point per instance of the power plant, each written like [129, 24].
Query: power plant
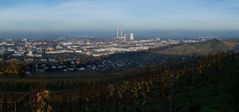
[124, 37]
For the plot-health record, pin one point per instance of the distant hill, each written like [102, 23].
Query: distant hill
[202, 48]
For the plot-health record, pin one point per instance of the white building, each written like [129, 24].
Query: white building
[131, 36]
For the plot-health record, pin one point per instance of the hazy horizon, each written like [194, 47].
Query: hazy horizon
[112, 34]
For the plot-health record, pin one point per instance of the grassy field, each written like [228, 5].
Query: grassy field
[68, 80]
[210, 46]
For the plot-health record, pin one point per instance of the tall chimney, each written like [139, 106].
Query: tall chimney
[121, 33]
[117, 35]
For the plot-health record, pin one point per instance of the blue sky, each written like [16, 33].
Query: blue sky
[106, 15]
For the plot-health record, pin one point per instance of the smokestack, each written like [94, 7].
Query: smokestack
[117, 35]
[121, 33]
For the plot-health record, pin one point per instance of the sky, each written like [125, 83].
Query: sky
[106, 15]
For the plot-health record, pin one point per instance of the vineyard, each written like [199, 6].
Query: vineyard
[172, 87]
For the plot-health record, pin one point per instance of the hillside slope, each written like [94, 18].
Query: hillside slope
[218, 93]
[210, 46]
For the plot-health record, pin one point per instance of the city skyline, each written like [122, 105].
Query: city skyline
[103, 16]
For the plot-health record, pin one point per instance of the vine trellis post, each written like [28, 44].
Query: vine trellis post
[173, 92]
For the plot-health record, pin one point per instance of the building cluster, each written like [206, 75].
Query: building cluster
[27, 48]
[69, 54]
[122, 36]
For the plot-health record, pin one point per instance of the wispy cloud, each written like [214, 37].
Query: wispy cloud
[86, 15]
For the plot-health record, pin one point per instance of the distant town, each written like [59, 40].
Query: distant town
[79, 54]
[37, 48]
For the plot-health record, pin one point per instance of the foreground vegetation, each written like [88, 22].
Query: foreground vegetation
[207, 83]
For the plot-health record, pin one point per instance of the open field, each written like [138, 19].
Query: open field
[202, 48]
[71, 80]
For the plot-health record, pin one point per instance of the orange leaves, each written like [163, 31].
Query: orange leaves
[10, 67]
[39, 100]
